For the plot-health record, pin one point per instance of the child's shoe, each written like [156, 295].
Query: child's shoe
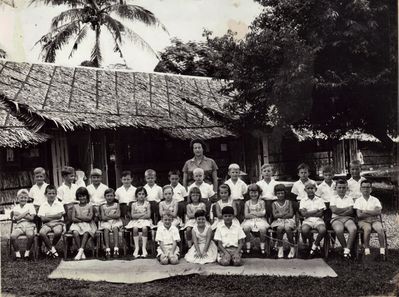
[280, 254]
[136, 253]
[54, 253]
[291, 255]
[108, 253]
[145, 254]
[347, 253]
[315, 249]
[116, 252]
[27, 254]
[83, 257]
[18, 255]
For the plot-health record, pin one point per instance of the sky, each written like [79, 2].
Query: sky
[22, 27]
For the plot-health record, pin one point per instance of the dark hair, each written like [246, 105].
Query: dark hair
[255, 187]
[194, 189]
[366, 181]
[66, 170]
[224, 186]
[81, 191]
[126, 173]
[194, 141]
[140, 189]
[48, 188]
[228, 210]
[328, 168]
[200, 213]
[279, 188]
[174, 172]
[303, 166]
[108, 191]
[341, 182]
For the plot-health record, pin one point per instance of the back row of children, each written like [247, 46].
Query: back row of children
[138, 209]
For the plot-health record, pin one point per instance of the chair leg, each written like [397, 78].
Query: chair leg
[35, 248]
[65, 244]
[326, 245]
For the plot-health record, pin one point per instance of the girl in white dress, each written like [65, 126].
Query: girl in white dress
[255, 217]
[224, 193]
[82, 221]
[169, 205]
[141, 219]
[204, 249]
[194, 204]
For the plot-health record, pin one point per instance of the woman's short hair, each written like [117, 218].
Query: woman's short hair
[194, 141]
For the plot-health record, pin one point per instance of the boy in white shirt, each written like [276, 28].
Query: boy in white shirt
[67, 192]
[23, 215]
[238, 189]
[97, 189]
[179, 192]
[167, 237]
[298, 188]
[125, 194]
[37, 190]
[326, 190]
[154, 193]
[368, 209]
[355, 180]
[267, 185]
[207, 193]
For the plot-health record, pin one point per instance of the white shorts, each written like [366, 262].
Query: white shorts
[255, 224]
[313, 222]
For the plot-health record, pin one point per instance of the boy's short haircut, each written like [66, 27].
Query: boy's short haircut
[267, 165]
[328, 169]
[49, 188]
[310, 184]
[228, 210]
[96, 172]
[22, 191]
[226, 187]
[150, 172]
[279, 188]
[234, 166]
[140, 189]
[167, 187]
[174, 172]
[39, 170]
[82, 191]
[198, 170]
[366, 181]
[303, 166]
[67, 170]
[109, 191]
[200, 213]
[167, 214]
[255, 187]
[341, 181]
[355, 163]
[126, 173]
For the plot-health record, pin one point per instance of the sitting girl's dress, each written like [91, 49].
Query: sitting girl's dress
[212, 250]
[140, 209]
[283, 210]
[170, 207]
[83, 227]
[110, 210]
[255, 223]
[193, 208]
[217, 222]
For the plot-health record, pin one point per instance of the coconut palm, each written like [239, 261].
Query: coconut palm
[2, 54]
[85, 15]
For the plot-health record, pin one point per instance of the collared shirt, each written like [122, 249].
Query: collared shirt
[370, 204]
[267, 189]
[339, 202]
[125, 196]
[154, 193]
[207, 164]
[354, 188]
[238, 189]
[205, 189]
[49, 210]
[298, 188]
[97, 194]
[229, 236]
[67, 194]
[28, 208]
[37, 194]
[167, 236]
[312, 204]
[179, 192]
[326, 192]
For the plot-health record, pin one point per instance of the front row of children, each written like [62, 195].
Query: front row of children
[226, 230]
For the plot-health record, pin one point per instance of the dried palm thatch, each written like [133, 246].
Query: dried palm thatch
[13, 133]
[80, 97]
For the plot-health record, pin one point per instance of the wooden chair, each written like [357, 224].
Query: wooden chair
[34, 248]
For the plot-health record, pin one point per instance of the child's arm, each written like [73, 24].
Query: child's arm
[196, 245]
[317, 213]
[235, 210]
[290, 213]
[161, 210]
[261, 213]
[117, 214]
[208, 241]
[247, 212]
[218, 211]
[103, 216]
[174, 212]
[221, 247]
[75, 218]
[239, 248]
[189, 211]
[174, 245]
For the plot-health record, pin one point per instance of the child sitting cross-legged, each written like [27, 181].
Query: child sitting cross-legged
[225, 200]
[82, 221]
[230, 238]
[167, 237]
[194, 204]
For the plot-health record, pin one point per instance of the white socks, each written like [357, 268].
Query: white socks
[382, 251]
[347, 251]
[262, 245]
[367, 251]
[248, 245]
[17, 254]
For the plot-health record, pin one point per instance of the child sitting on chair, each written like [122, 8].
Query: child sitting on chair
[23, 215]
[168, 238]
[194, 204]
[224, 194]
[110, 221]
[169, 205]
[141, 219]
[311, 208]
[51, 213]
[368, 210]
[230, 238]
[82, 221]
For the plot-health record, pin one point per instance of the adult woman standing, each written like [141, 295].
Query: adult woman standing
[200, 161]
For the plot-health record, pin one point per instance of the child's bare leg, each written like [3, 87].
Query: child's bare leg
[115, 231]
[380, 231]
[189, 236]
[321, 233]
[85, 238]
[163, 259]
[173, 259]
[57, 234]
[76, 237]
[290, 235]
[225, 259]
[262, 238]
[30, 235]
[144, 241]
[352, 229]
[306, 232]
[106, 238]
[339, 231]
[236, 259]
[14, 239]
[136, 241]
[280, 235]
[247, 231]
[44, 237]
[366, 235]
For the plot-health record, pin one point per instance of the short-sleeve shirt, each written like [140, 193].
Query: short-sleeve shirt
[179, 192]
[312, 204]
[370, 204]
[49, 210]
[339, 202]
[67, 194]
[354, 188]
[205, 189]
[154, 193]
[125, 196]
[267, 189]
[37, 194]
[207, 164]
[298, 188]
[238, 189]
[326, 192]
[229, 236]
[97, 194]
[28, 208]
[167, 236]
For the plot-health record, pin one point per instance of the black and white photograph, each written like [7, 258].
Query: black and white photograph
[199, 148]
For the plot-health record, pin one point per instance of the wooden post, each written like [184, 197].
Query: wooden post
[59, 156]
[265, 148]
[118, 159]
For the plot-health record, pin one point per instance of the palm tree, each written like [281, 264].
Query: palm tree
[85, 15]
[2, 54]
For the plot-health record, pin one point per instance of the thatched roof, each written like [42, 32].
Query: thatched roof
[81, 97]
[14, 133]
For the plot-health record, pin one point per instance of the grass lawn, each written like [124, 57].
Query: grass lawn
[354, 279]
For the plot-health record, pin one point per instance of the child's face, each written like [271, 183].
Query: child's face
[267, 172]
[109, 197]
[224, 194]
[51, 194]
[341, 189]
[150, 179]
[126, 180]
[39, 178]
[167, 222]
[96, 179]
[253, 194]
[23, 198]
[83, 199]
[168, 194]
[355, 171]
[201, 221]
[195, 197]
[70, 178]
[280, 195]
[199, 177]
[328, 176]
[141, 196]
[366, 189]
[228, 218]
[303, 174]
[234, 173]
[174, 179]
[310, 190]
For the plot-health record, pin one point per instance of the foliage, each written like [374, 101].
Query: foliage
[3, 54]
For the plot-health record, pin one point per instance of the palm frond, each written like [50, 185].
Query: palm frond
[3, 54]
[114, 26]
[136, 38]
[71, 3]
[81, 35]
[68, 16]
[96, 56]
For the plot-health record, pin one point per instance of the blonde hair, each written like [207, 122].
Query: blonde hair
[22, 191]
[198, 170]
[39, 170]
[150, 172]
[234, 166]
[266, 166]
